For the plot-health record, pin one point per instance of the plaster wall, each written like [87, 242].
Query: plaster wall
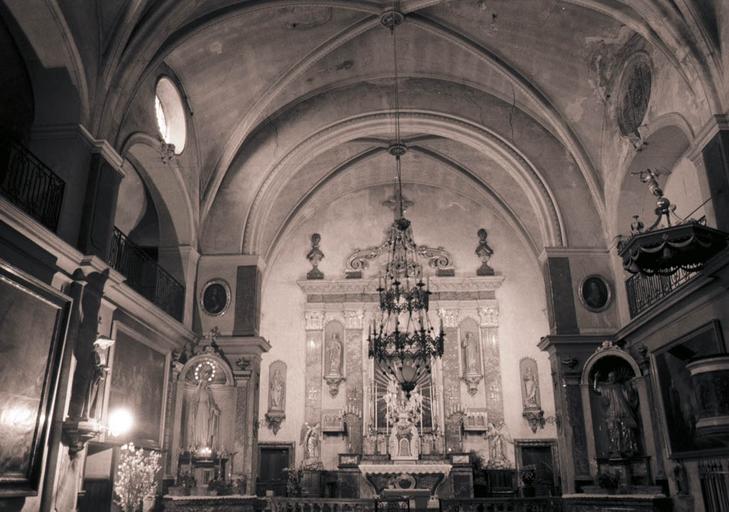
[358, 220]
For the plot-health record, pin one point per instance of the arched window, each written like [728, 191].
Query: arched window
[170, 114]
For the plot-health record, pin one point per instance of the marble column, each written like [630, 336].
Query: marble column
[173, 417]
[567, 355]
[452, 382]
[353, 325]
[99, 206]
[245, 352]
[489, 322]
[314, 321]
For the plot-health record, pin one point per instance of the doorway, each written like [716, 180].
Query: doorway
[542, 456]
[274, 459]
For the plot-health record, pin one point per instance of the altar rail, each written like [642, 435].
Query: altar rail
[277, 504]
[514, 504]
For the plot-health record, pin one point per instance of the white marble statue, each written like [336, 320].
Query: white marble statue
[204, 419]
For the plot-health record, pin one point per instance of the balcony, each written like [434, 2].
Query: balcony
[30, 184]
[145, 276]
[644, 291]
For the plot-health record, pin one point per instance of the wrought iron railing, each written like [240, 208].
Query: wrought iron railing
[277, 504]
[644, 291]
[145, 276]
[506, 504]
[29, 183]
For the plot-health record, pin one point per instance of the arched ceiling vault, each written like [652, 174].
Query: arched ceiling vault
[247, 65]
[334, 185]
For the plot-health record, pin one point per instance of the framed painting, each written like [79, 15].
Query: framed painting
[676, 390]
[33, 323]
[139, 375]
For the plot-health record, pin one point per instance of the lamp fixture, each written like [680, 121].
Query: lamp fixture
[401, 339]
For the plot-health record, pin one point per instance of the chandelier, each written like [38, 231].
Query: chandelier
[401, 338]
[684, 244]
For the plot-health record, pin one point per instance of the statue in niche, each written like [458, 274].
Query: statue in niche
[531, 387]
[470, 350]
[620, 400]
[277, 390]
[315, 256]
[484, 253]
[335, 355]
[333, 364]
[204, 420]
[471, 367]
[276, 396]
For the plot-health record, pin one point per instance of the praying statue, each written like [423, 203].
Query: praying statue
[335, 355]
[622, 425]
[204, 419]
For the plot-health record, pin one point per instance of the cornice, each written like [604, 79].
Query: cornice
[369, 286]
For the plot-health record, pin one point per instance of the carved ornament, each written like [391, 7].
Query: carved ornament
[489, 316]
[354, 319]
[314, 320]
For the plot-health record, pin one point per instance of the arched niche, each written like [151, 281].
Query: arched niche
[610, 358]
[206, 382]
[663, 150]
[333, 370]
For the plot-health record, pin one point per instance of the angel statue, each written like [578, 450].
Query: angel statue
[310, 440]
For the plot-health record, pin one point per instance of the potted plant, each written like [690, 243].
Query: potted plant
[528, 475]
[184, 483]
[135, 477]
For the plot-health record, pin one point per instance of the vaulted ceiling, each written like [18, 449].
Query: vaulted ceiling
[509, 102]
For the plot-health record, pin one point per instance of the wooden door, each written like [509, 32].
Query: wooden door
[272, 476]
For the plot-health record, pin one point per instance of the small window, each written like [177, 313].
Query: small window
[170, 114]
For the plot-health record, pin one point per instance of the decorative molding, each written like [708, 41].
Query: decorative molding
[369, 286]
[489, 316]
[450, 317]
[354, 319]
[314, 320]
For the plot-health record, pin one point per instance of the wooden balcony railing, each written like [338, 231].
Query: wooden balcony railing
[29, 183]
[145, 276]
[644, 291]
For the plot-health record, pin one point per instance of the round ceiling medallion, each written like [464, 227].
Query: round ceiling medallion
[634, 94]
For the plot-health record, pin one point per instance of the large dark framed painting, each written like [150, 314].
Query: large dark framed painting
[138, 383]
[33, 322]
[677, 391]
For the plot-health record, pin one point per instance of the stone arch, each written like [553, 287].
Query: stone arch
[167, 187]
[219, 362]
[667, 140]
[57, 72]
[310, 197]
[524, 171]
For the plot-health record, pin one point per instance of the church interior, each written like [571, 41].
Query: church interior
[363, 255]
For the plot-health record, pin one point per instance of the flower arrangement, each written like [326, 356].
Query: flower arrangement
[186, 480]
[294, 484]
[221, 487]
[135, 478]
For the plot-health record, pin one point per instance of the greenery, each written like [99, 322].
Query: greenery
[294, 487]
[222, 487]
[186, 480]
[136, 477]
